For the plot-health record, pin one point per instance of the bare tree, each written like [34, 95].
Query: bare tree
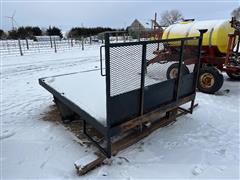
[171, 17]
[236, 13]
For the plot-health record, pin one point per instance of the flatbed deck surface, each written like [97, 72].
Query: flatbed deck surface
[87, 90]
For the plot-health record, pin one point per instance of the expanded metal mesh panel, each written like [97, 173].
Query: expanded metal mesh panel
[190, 53]
[162, 62]
[125, 69]
[160, 56]
[129, 94]
[152, 48]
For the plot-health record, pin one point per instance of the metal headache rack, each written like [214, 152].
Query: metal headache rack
[136, 92]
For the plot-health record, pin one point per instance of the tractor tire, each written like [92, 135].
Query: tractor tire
[173, 71]
[235, 76]
[210, 80]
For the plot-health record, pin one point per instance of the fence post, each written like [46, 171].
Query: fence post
[20, 47]
[27, 43]
[38, 46]
[68, 42]
[51, 41]
[71, 42]
[90, 39]
[55, 47]
[8, 47]
[82, 43]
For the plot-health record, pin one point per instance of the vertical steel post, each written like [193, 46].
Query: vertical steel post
[197, 65]
[107, 69]
[178, 80]
[20, 47]
[143, 69]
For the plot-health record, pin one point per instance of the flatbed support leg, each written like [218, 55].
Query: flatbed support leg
[106, 151]
[130, 139]
[67, 114]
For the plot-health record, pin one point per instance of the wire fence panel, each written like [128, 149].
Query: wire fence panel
[52, 45]
[28, 47]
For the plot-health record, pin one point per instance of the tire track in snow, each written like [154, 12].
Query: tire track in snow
[33, 68]
[49, 60]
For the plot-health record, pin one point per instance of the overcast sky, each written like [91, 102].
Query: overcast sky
[66, 14]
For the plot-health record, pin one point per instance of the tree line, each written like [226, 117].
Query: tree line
[29, 32]
[78, 32]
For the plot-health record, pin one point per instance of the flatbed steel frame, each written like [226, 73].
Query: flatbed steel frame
[68, 108]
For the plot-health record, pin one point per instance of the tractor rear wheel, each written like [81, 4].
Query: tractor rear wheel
[210, 80]
[235, 76]
[172, 71]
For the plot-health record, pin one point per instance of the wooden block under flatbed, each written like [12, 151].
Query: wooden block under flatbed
[88, 163]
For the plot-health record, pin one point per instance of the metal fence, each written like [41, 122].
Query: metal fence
[27, 47]
[23, 47]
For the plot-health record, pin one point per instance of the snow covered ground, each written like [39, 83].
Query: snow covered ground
[202, 145]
